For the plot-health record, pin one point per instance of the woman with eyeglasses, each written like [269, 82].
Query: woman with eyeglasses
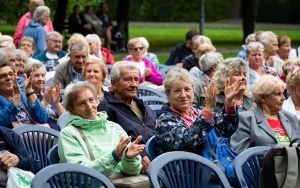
[21, 61]
[17, 107]
[292, 104]
[267, 124]
[148, 72]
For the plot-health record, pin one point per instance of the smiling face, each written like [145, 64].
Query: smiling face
[38, 79]
[274, 101]
[7, 77]
[78, 59]
[85, 105]
[20, 64]
[181, 96]
[127, 86]
[137, 51]
[93, 73]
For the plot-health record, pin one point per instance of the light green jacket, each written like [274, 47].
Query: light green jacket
[103, 137]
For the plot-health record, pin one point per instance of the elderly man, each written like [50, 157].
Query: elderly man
[70, 71]
[270, 42]
[53, 52]
[35, 28]
[123, 107]
[96, 49]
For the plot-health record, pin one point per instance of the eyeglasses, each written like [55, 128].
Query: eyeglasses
[12, 60]
[4, 75]
[56, 41]
[137, 48]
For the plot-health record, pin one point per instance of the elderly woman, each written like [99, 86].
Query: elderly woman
[18, 107]
[36, 30]
[255, 57]
[27, 44]
[181, 126]
[26, 18]
[107, 147]
[284, 48]
[233, 69]
[250, 38]
[292, 104]
[209, 63]
[267, 124]
[21, 61]
[95, 72]
[148, 72]
[49, 97]
[98, 51]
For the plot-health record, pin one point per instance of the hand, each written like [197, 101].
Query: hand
[232, 90]
[17, 92]
[134, 148]
[145, 163]
[55, 94]
[147, 72]
[210, 96]
[9, 160]
[28, 81]
[253, 106]
[122, 146]
[48, 93]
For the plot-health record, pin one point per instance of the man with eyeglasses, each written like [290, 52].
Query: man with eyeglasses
[53, 52]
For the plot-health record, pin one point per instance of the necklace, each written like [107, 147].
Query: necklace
[271, 117]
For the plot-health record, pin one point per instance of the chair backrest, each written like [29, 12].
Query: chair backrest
[165, 70]
[151, 148]
[247, 166]
[179, 169]
[62, 120]
[52, 155]
[156, 109]
[150, 100]
[38, 140]
[159, 66]
[148, 91]
[67, 175]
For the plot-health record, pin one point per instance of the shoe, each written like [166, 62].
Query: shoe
[118, 35]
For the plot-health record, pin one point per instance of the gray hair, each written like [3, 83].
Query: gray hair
[115, 73]
[28, 67]
[174, 75]
[93, 38]
[225, 70]
[77, 38]
[3, 56]
[266, 36]
[29, 39]
[254, 46]
[39, 12]
[21, 54]
[79, 46]
[208, 60]
[72, 91]
[265, 86]
[249, 38]
[54, 33]
[144, 42]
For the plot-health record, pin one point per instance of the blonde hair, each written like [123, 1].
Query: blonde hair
[97, 61]
[132, 42]
[265, 86]
[199, 40]
[78, 38]
[203, 49]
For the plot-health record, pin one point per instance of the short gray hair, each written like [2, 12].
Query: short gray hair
[175, 75]
[93, 38]
[39, 12]
[21, 54]
[79, 46]
[249, 38]
[72, 91]
[254, 46]
[265, 86]
[3, 56]
[28, 67]
[208, 60]
[225, 70]
[115, 73]
[266, 36]
[54, 33]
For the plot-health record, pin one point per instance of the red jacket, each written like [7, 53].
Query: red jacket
[107, 56]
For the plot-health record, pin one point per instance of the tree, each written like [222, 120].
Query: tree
[249, 8]
[60, 14]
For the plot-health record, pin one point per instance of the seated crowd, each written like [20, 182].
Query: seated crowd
[253, 99]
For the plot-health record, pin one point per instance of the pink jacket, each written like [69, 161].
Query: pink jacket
[22, 24]
[155, 77]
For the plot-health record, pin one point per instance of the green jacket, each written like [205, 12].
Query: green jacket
[103, 137]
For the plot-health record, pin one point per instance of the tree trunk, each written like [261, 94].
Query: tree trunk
[249, 8]
[60, 14]
[235, 10]
[123, 8]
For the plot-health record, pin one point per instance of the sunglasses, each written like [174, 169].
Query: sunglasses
[4, 75]
[137, 48]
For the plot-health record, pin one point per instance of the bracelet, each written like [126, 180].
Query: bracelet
[29, 94]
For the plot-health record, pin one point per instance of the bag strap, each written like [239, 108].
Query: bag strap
[291, 174]
[86, 143]
[28, 114]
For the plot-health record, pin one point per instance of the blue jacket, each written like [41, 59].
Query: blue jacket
[17, 147]
[43, 58]
[120, 113]
[36, 31]
[8, 111]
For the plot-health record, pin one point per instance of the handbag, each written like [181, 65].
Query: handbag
[18, 178]
[280, 167]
